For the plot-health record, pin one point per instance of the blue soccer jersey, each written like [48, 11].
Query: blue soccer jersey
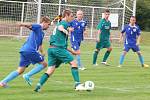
[132, 32]
[77, 34]
[34, 40]
[79, 28]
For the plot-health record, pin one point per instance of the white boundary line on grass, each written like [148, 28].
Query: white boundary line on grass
[115, 89]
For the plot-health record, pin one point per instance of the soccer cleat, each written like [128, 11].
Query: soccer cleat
[145, 65]
[80, 87]
[4, 85]
[27, 79]
[105, 63]
[82, 68]
[95, 65]
[38, 87]
[119, 66]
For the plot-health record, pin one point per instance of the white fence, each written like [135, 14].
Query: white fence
[13, 12]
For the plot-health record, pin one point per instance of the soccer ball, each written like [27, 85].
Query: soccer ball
[89, 85]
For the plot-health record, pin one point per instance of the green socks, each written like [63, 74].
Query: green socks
[95, 57]
[44, 78]
[106, 56]
[75, 75]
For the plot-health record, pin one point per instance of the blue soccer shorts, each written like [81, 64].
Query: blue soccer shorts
[134, 48]
[75, 45]
[26, 58]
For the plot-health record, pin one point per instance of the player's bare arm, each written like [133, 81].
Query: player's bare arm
[121, 37]
[27, 25]
[73, 52]
[41, 50]
[61, 28]
[138, 40]
[97, 36]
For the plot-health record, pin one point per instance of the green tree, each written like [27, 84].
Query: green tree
[143, 14]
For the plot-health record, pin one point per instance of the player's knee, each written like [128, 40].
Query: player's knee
[109, 49]
[73, 64]
[139, 53]
[20, 71]
[124, 53]
[97, 51]
[50, 70]
[44, 64]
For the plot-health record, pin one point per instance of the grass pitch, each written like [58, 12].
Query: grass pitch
[131, 82]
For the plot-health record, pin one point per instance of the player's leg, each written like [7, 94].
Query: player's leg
[76, 47]
[12, 76]
[79, 63]
[24, 62]
[107, 53]
[35, 58]
[76, 77]
[137, 50]
[52, 63]
[98, 47]
[126, 49]
[45, 77]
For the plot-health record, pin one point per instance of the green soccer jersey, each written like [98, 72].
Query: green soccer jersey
[58, 38]
[105, 27]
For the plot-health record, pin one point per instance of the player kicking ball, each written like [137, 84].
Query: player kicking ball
[132, 41]
[103, 38]
[30, 52]
[58, 52]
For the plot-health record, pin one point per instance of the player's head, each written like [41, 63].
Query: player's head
[79, 14]
[67, 15]
[45, 21]
[132, 20]
[106, 14]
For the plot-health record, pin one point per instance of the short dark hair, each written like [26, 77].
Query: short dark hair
[133, 17]
[66, 12]
[45, 19]
[106, 11]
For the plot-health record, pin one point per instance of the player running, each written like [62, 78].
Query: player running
[103, 38]
[30, 52]
[132, 41]
[79, 26]
[58, 53]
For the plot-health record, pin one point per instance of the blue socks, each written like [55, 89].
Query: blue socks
[121, 59]
[141, 59]
[10, 77]
[78, 60]
[35, 70]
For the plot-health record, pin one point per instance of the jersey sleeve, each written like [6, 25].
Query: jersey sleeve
[65, 25]
[36, 27]
[73, 25]
[100, 25]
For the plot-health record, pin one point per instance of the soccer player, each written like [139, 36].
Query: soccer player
[30, 52]
[58, 53]
[132, 41]
[103, 38]
[79, 26]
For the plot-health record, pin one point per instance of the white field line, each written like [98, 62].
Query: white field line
[123, 89]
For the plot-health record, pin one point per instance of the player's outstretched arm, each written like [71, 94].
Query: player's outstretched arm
[27, 25]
